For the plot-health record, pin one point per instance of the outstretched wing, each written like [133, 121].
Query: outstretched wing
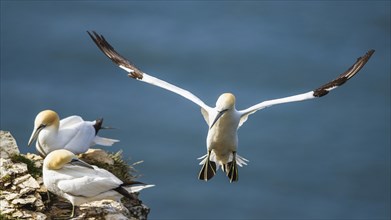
[319, 92]
[136, 73]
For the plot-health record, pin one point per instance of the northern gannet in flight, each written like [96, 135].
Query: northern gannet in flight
[223, 120]
[79, 182]
[71, 133]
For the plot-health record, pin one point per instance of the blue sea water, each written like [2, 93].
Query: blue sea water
[322, 159]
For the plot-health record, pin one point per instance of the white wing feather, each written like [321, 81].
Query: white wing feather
[78, 137]
[319, 92]
[87, 182]
[70, 121]
[135, 73]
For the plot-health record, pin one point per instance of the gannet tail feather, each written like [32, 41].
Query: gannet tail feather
[104, 141]
[240, 161]
[127, 190]
[134, 189]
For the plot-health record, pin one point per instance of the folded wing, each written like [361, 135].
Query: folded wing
[87, 182]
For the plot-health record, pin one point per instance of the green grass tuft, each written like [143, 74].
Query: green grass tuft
[120, 168]
[33, 170]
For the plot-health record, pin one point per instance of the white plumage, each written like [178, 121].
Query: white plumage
[68, 177]
[71, 133]
[223, 120]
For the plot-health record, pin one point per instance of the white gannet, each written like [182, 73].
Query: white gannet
[79, 182]
[223, 120]
[71, 133]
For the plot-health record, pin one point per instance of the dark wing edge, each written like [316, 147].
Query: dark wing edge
[114, 56]
[353, 70]
[78, 162]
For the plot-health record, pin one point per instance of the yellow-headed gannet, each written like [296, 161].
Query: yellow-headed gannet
[223, 120]
[79, 182]
[71, 133]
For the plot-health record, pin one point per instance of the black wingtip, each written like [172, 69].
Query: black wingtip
[131, 183]
[94, 36]
[344, 77]
[367, 55]
[125, 192]
[370, 52]
[114, 56]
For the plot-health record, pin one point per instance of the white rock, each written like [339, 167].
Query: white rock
[6, 211]
[21, 179]
[24, 201]
[30, 182]
[8, 145]
[105, 208]
[116, 217]
[40, 216]
[26, 190]
[17, 214]
[5, 164]
[20, 197]
[19, 168]
[39, 204]
[10, 196]
[4, 204]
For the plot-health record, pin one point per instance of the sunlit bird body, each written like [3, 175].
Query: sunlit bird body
[77, 181]
[223, 120]
[71, 133]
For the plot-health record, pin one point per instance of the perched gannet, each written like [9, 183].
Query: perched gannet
[223, 120]
[71, 133]
[77, 181]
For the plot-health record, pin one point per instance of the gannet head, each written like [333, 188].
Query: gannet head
[57, 159]
[224, 103]
[45, 119]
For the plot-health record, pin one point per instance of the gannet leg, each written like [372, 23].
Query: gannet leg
[208, 170]
[232, 167]
[73, 211]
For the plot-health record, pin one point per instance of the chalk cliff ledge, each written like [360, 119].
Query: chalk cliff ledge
[23, 195]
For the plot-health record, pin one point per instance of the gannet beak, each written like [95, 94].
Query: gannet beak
[81, 163]
[35, 134]
[218, 116]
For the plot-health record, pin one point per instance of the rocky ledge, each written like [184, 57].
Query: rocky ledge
[23, 195]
